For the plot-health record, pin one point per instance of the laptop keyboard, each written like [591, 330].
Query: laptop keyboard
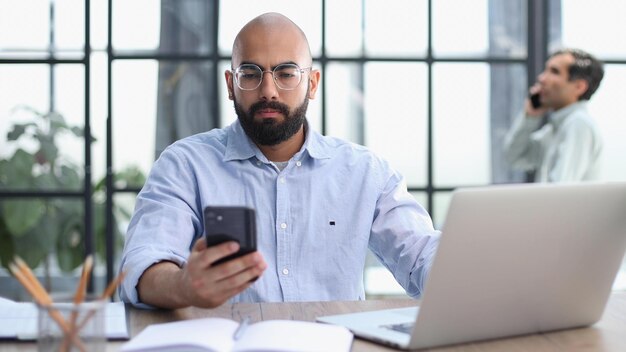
[406, 328]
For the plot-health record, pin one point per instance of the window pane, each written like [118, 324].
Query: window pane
[344, 103]
[395, 124]
[227, 111]
[184, 108]
[134, 113]
[99, 113]
[461, 128]
[69, 101]
[28, 21]
[28, 24]
[314, 112]
[23, 85]
[396, 27]
[20, 103]
[40, 149]
[441, 202]
[136, 24]
[598, 29]
[186, 26]
[508, 27]
[69, 25]
[234, 14]
[508, 94]
[460, 28]
[99, 24]
[344, 35]
[606, 106]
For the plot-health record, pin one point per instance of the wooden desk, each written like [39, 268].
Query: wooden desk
[607, 335]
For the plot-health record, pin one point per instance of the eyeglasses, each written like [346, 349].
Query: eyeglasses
[286, 76]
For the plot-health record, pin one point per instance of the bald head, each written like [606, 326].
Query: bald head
[275, 32]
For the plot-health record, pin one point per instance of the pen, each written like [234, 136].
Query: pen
[242, 327]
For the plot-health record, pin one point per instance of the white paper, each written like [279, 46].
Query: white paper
[216, 334]
[18, 320]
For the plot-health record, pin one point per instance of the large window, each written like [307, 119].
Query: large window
[431, 85]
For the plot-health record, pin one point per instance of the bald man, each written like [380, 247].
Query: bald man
[320, 202]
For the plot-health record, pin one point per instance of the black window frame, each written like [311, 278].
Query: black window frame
[537, 47]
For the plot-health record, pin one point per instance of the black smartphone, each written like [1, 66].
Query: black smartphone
[230, 223]
[535, 100]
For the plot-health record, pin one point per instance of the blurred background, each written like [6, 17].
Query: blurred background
[91, 91]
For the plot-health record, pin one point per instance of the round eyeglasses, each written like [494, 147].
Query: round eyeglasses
[286, 76]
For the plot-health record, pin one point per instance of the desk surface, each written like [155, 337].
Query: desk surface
[609, 334]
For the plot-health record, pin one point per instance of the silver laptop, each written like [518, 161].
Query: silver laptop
[513, 260]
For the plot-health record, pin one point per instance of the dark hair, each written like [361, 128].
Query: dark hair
[586, 67]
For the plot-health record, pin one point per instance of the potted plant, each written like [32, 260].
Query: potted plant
[36, 228]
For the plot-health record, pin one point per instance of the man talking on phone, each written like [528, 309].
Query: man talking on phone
[568, 147]
[320, 202]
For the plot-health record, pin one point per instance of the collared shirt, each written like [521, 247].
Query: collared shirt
[567, 149]
[315, 219]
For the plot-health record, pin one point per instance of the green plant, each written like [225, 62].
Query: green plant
[33, 228]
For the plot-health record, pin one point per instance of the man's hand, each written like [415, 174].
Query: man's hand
[198, 283]
[209, 286]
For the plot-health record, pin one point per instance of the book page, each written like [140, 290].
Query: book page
[292, 335]
[209, 334]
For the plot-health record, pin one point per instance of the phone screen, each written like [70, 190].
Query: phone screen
[230, 223]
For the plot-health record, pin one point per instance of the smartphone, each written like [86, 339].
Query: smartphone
[535, 100]
[230, 223]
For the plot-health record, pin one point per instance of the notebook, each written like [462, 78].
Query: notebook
[513, 260]
[18, 320]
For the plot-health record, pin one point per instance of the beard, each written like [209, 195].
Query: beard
[269, 132]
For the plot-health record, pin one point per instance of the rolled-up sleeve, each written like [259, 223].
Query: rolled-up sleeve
[164, 224]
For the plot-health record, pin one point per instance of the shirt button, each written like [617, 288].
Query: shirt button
[286, 271]
[258, 163]
[299, 163]
[283, 226]
[282, 180]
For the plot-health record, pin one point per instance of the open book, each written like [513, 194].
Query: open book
[216, 334]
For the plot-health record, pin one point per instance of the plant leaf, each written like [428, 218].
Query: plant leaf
[46, 181]
[48, 149]
[36, 244]
[130, 176]
[70, 244]
[57, 121]
[20, 169]
[99, 229]
[70, 178]
[17, 131]
[21, 215]
[78, 132]
[5, 168]
[7, 250]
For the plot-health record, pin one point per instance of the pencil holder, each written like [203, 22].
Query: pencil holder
[65, 326]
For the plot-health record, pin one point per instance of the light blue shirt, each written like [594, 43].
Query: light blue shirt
[566, 149]
[316, 218]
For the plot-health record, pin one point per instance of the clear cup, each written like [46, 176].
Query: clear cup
[64, 326]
